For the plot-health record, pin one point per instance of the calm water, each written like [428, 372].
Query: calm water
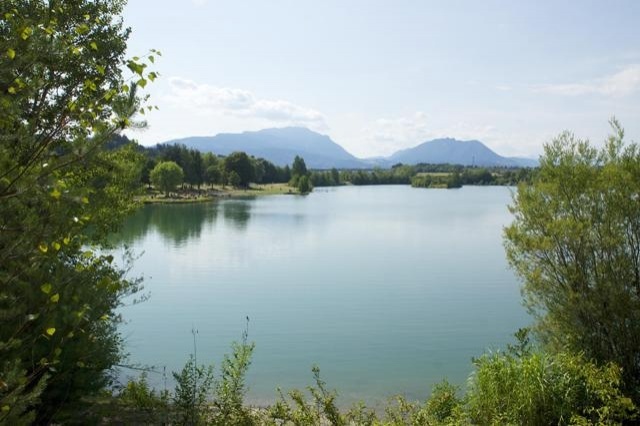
[388, 289]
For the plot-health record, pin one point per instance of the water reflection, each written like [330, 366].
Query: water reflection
[237, 212]
[180, 223]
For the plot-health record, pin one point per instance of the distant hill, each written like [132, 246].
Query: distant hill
[453, 151]
[280, 146]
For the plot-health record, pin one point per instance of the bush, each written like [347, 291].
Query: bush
[538, 388]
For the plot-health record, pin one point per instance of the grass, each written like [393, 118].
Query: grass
[434, 174]
[210, 193]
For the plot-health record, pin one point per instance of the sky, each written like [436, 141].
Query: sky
[379, 76]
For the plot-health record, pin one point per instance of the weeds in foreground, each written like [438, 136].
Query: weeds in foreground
[519, 386]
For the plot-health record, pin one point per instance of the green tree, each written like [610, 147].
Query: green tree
[63, 97]
[234, 179]
[575, 242]
[213, 175]
[240, 163]
[166, 176]
[298, 168]
[304, 185]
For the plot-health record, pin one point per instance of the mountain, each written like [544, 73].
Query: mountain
[453, 151]
[280, 146]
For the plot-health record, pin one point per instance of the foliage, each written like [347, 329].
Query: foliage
[298, 168]
[575, 241]
[304, 185]
[234, 179]
[148, 404]
[63, 97]
[302, 412]
[240, 163]
[166, 176]
[437, 180]
[191, 396]
[538, 388]
[230, 388]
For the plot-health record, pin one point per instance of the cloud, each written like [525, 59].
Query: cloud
[622, 83]
[387, 135]
[395, 133]
[205, 99]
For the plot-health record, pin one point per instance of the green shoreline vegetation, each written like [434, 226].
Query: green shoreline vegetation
[205, 176]
[67, 91]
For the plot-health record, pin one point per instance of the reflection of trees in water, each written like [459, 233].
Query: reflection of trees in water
[134, 227]
[237, 212]
[177, 223]
[182, 222]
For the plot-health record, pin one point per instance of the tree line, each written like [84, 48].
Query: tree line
[169, 166]
[424, 175]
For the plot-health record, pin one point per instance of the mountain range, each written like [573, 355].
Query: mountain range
[281, 145]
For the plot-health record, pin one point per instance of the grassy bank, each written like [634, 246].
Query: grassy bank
[210, 193]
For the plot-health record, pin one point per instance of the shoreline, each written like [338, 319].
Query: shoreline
[217, 193]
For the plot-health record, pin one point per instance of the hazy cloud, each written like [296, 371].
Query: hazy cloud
[397, 133]
[622, 83]
[391, 134]
[206, 99]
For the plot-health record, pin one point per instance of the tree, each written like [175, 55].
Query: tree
[575, 241]
[298, 168]
[213, 175]
[234, 179]
[304, 185]
[63, 97]
[240, 163]
[166, 176]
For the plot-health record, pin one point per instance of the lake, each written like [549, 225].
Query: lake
[388, 289]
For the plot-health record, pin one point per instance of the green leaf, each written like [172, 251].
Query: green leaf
[142, 82]
[12, 90]
[11, 53]
[26, 33]
[152, 59]
[46, 288]
[55, 245]
[55, 193]
[51, 331]
[55, 298]
[93, 45]
[43, 247]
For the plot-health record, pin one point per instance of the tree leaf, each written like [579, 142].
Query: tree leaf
[55, 298]
[11, 53]
[46, 288]
[51, 331]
